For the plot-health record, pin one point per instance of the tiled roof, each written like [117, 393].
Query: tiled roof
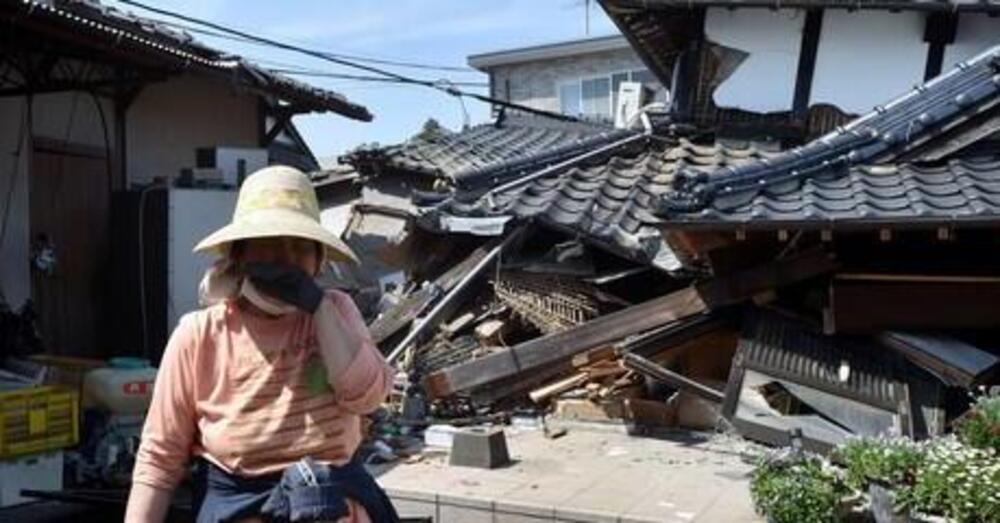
[610, 202]
[104, 25]
[484, 155]
[955, 193]
[822, 181]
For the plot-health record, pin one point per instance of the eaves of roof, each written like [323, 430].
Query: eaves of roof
[486, 61]
[90, 24]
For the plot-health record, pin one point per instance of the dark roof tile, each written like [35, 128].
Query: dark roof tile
[960, 190]
[484, 155]
[609, 201]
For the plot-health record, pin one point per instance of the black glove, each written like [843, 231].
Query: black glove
[287, 283]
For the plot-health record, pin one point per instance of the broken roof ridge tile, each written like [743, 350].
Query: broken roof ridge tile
[885, 131]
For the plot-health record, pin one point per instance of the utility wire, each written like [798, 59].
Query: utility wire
[356, 58]
[360, 78]
[443, 87]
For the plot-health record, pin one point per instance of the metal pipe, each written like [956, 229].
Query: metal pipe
[648, 368]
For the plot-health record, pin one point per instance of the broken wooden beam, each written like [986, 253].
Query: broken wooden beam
[453, 327]
[394, 319]
[554, 389]
[562, 346]
[660, 373]
[436, 315]
[599, 370]
[875, 304]
[745, 284]
[488, 332]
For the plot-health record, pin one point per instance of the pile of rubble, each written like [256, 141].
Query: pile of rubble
[844, 287]
[526, 324]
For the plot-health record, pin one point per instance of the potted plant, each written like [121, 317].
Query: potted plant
[792, 487]
[881, 467]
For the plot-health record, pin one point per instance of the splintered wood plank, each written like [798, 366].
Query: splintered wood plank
[403, 313]
[562, 346]
[553, 389]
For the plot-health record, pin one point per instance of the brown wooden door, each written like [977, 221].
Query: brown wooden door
[70, 206]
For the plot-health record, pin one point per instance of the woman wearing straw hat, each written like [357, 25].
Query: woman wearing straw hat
[267, 384]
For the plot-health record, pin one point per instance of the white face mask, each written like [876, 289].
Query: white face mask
[263, 302]
[218, 284]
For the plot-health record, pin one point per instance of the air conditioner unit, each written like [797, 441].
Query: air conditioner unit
[631, 97]
[235, 163]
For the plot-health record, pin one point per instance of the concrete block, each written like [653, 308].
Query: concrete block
[585, 516]
[516, 512]
[479, 447]
[505, 517]
[413, 503]
[407, 508]
[410, 494]
[641, 519]
[464, 510]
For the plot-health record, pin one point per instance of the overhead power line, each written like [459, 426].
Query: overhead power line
[345, 56]
[443, 86]
[362, 78]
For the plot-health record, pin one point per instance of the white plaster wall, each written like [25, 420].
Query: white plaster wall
[169, 120]
[192, 215]
[536, 84]
[976, 33]
[336, 218]
[390, 192]
[765, 81]
[868, 58]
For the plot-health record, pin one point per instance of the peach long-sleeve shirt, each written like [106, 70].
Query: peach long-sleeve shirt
[250, 395]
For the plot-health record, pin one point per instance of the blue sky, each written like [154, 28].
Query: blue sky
[438, 32]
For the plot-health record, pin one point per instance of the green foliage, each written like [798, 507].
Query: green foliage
[958, 481]
[885, 461]
[794, 488]
[980, 428]
[944, 477]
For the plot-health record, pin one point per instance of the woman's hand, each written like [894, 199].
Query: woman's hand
[147, 504]
[338, 344]
[356, 370]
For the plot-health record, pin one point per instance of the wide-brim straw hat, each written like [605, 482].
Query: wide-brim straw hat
[277, 201]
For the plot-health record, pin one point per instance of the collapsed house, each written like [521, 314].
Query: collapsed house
[784, 265]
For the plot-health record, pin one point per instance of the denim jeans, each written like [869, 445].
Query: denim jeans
[303, 492]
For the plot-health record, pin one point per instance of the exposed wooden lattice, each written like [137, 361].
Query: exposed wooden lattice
[550, 303]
